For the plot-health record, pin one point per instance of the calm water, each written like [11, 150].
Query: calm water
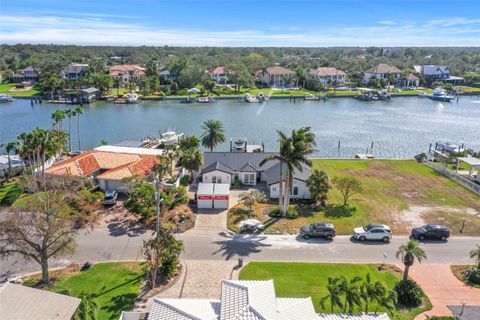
[399, 128]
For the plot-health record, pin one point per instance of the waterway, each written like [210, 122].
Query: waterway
[399, 128]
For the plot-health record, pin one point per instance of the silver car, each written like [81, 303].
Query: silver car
[378, 232]
[110, 198]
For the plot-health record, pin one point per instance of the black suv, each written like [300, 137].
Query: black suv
[431, 231]
[325, 230]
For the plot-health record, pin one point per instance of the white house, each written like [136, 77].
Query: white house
[276, 76]
[383, 71]
[220, 75]
[299, 187]
[328, 75]
[432, 73]
[127, 72]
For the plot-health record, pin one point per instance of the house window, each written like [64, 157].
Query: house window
[274, 189]
[249, 178]
[295, 191]
[219, 179]
[214, 179]
[236, 175]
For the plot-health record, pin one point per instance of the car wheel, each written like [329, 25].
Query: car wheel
[421, 237]
[306, 237]
[329, 237]
[412, 237]
[362, 238]
[386, 239]
[443, 238]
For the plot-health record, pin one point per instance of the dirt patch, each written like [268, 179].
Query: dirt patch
[119, 221]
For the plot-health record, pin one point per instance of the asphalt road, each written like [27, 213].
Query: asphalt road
[101, 245]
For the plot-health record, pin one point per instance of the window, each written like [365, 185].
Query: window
[219, 179]
[274, 189]
[249, 178]
[236, 176]
[214, 179]
[295, 191]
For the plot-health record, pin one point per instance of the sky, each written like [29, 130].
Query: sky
[237, 23]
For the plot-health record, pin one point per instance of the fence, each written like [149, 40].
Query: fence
[455, 176]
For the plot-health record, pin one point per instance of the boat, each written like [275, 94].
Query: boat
[364, 156]
[206, 99]
[261, 97]
[383, 95]
[311, 97]
[132, 97]
[440, 94]
[5, 98]
[239, 144]
[170, 136]
[251, 99]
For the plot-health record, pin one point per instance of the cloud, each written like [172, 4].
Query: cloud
[102, 30]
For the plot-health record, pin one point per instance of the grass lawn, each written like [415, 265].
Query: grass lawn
[9, 192]
[310, 280]
[6, 89]
[115, 285]
[459, 271]
[400, 193]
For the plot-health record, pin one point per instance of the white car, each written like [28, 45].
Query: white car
[373, 232]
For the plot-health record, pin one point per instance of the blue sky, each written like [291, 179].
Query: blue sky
[242, 22]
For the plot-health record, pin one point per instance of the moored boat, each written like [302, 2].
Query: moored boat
[251, 99]
[5, 98]
[170, 136]
[206, 99]
[440, 94]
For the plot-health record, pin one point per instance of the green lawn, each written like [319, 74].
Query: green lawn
[6, 89]
[310, 280]
[115, 285]
[394, 192]
[9, 192]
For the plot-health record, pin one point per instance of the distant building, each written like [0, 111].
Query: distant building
[21, 303]
[29, 74]
[276, 76]
[220, 75]
[436, 73]
[408, 81]
[383, 71]
[89, 95]
[328, 75]
[164, 72]
[127, 72]
[74, 71]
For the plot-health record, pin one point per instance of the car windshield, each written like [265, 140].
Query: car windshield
[425, 227]
[368, 227]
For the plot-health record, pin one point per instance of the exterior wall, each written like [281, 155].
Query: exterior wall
[220, 78]
[367, 76]
[243, 177]
[208, 177]
[111, 185]
[303, 192]
[324, 79]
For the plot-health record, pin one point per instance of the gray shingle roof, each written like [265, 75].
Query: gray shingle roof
[465, 312]
[21, 302]
[273, 173]
[217, 165]
[384, 68]
[237, 160]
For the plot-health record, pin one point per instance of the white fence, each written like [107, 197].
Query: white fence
[454, 176]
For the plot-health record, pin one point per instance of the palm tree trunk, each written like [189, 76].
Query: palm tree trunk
[280, 195]
[405, 272]
[9, 174]
[78, 131]
[70, 134]
[43, 168]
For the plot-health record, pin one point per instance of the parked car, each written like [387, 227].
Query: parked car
[110, 198]
[373, 232]
[431, 231]
[324, 230]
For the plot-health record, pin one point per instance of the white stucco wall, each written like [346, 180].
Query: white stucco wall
[303, 192]
[225, 177]
[111, 185]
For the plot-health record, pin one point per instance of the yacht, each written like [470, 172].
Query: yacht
[239, 144]
[5, 98]
[440, 94]
[170, 136]
[261, 97]
[251, 99]
[205, 99]
[132, 97]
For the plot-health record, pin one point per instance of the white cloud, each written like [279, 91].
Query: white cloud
[99, 30]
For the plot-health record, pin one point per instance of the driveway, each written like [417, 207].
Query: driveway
[442, 288]
[209, 222]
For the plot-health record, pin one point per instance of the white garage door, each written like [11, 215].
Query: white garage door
[204, 202]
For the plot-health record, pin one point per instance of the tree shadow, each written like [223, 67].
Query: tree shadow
[128, 228]
[340, 211]
[240, 245]
[119, 303]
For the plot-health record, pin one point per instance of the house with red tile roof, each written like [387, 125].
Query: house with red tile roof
[276, 76]
[127, 72]
[329, 75]
[220, 75]
[107, 168]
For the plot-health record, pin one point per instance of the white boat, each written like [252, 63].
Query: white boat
[251, 99]
[261, 97]
[132, 97]
[311, 97]
[170, 136]
[205, 99]
[440, 94]
[5, 98]
[239, 144]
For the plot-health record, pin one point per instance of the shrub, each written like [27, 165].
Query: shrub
[473, 276]
[237, 183]
[91, 197]
[179, 214]
[275, 213]
[292, 213]
[185, 180]
[409, 293]
[142, 200]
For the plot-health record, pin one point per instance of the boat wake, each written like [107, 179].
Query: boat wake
[262, 106]
[440, 107]
[478, 101]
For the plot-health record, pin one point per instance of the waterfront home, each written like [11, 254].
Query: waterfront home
[383, 71]
[109, 165]
[276, 76]
[220, 75]
[299, 183]
[239, 299]
[408, 81]
[74, 71]
[164, 73]
[89, 95]
[127, 72]
[23, 302]
[29, 74]
[329, 76]
[437, 73]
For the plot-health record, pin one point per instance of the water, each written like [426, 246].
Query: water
[399, 128]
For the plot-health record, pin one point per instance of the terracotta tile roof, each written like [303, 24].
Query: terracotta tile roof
[116, 165]
[219, 70]
[134, 69]
[327, 71]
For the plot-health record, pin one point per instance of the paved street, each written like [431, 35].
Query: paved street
[105, 245]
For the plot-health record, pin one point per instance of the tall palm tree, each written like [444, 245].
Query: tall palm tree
[70, 113]
[10, 147]
[58, 116]
[334, 294]
[79, 111]
[192, 159]
[369, 291]
[408, 252]
[213, 134]
[117, 82]
[475, 254]
[293, 156]
[386, 299]
[351, 289]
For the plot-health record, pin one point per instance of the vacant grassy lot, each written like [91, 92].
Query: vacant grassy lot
[310, 280]
[6, 89]
[400, 193]
[114, 285]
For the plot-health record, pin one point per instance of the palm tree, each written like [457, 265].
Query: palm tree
[10, 147]
[368, 291]
[293, 155]
[78, 111]
[386, 299]
[213, 134]
[58, 116]
[334, 294]
[475, 254]
[408, 252]
[351, 289]
[192, 160]
[70, 114]
[117, 82]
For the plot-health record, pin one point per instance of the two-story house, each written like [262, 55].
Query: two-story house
[390, 74]
[276, 76]
[329, 76]
[220, 75]
[437, 73]
[74, 71]
[127, 72]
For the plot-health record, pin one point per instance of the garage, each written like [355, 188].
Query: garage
[221, 192]
[205, 196]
